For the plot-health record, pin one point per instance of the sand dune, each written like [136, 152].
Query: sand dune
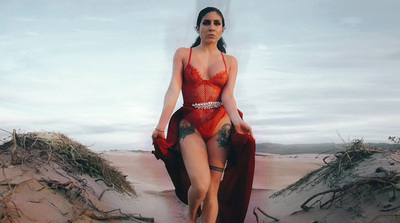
[358, 185]
[50, 178]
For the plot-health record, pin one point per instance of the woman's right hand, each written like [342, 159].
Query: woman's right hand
[158, 134]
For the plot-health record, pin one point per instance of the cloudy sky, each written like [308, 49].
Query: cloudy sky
[310, 71]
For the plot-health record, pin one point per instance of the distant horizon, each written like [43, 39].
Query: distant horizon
[4, 134]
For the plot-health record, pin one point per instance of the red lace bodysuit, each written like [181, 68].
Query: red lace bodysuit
[198, 91]
[235, 188]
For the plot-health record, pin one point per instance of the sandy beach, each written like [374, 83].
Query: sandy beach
[356, 186]
[155, 190]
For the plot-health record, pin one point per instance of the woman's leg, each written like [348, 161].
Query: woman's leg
[218, 148]
[195, 157]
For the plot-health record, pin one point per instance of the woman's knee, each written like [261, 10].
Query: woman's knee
[201, 188]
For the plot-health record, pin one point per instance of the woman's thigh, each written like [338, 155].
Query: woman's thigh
[219, 144]
[194, 154]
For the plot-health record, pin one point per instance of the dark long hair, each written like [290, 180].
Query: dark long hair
[221, 43]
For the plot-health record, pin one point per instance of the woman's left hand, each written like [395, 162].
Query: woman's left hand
[244, 128]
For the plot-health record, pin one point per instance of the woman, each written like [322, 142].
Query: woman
[206, 76]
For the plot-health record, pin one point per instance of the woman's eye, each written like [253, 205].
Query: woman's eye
[217, 23]
[206, 23]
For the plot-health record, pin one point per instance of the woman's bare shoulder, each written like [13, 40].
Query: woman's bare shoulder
[182, 52]
[231, 60]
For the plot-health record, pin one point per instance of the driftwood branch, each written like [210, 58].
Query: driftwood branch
[13, 151]
[120, 216]
[264, 213]
[3, 162]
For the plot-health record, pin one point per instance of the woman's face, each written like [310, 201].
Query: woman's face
[211, 29]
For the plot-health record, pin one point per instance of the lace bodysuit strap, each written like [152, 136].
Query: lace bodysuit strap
[190, 56]
[223, 58]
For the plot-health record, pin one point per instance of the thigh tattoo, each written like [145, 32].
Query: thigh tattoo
[185, 129]
[224, 136]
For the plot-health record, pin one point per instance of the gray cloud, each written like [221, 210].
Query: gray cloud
[98, 71]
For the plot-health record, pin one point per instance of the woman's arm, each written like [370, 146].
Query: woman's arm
[229, 101]
[172, 94]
